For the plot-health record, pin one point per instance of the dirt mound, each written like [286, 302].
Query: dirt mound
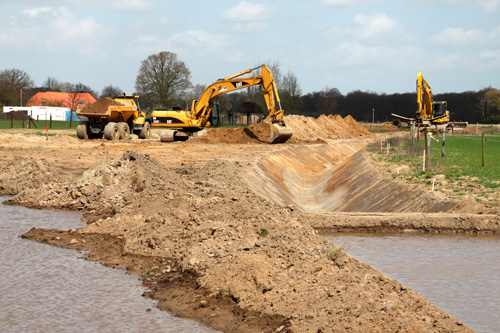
[382, 127]
[308, 129]
[101, 106]
[101, 191]
[239, 245]
[471, 130]
[305, 130]
[16, 115]
[229, 135]
[21, 174]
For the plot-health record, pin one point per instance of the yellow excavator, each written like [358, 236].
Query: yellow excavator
[182, 124]
[429, 112]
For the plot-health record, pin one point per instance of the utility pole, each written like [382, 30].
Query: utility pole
[21, 100]
[373, 115]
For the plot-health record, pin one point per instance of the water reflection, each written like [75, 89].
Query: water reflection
[458, 274]
[45, 288]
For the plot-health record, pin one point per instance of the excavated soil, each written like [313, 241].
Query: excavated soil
[228, 232]
[471, 130]
[99, 107]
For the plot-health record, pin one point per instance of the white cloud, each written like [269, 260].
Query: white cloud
[247, 12]
[377, 28]
[249, 17]
[134, 6]
[346, 3]
[188, 44]
[34, 12]
[52, 30]
[460, 37]
[488, 6]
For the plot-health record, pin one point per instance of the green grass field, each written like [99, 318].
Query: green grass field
[463, 158]
[41, 124]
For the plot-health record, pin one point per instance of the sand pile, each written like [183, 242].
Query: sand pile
[30, 173]
[101, 106]
[101, 191]
[471, 130]
[16, 115]
[305, 130]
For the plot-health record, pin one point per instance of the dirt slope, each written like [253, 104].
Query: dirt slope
[240, 245]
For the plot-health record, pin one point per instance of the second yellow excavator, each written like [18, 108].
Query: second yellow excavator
[429, 112]
[182, 124]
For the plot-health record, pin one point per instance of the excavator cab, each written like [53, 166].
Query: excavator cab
[214, 115]
[439, 108]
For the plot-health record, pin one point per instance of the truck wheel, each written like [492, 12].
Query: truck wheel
[81, 130]
[146, 131]
[111, 131]
[124, 130]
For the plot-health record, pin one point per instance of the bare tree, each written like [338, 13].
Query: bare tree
[163, 78]
[193, 94]
[290, 93]
[15, 78]
[328, 100]
[12, 83]
[51, 84]
[482, 102]
[111, 91]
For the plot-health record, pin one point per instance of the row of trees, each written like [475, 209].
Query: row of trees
[164, 81]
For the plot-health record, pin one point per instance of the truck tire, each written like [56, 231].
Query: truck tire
[111, 131]
[146, 131]
[82, 130]
[124, 130]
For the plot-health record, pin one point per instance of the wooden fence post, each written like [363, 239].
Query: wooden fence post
[11, 120]
[443, 144]
[427, 150]
[483, 150]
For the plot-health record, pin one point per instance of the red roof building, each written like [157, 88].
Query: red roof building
[61, 99]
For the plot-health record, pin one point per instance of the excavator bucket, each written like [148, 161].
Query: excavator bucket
[280, 133]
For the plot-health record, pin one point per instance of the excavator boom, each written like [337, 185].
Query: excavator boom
[202, 109]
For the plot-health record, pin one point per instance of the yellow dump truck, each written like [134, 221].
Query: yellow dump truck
[114, 119]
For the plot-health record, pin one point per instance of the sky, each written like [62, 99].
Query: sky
[368, 45]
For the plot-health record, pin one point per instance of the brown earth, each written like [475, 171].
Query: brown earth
[17, 115]
[227, 233]
[100, 106]
[471, 130]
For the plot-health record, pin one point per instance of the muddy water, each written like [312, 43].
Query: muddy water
[46, 289]
[458, 274]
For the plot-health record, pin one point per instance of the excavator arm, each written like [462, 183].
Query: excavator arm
[202, 107]
[424, 98]
[202, 110]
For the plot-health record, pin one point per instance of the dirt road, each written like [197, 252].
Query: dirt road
[227, 234]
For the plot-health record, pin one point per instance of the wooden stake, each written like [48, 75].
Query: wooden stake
[443, 144]
[483, 149]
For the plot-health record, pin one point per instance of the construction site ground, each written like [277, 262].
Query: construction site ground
[226, 229]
